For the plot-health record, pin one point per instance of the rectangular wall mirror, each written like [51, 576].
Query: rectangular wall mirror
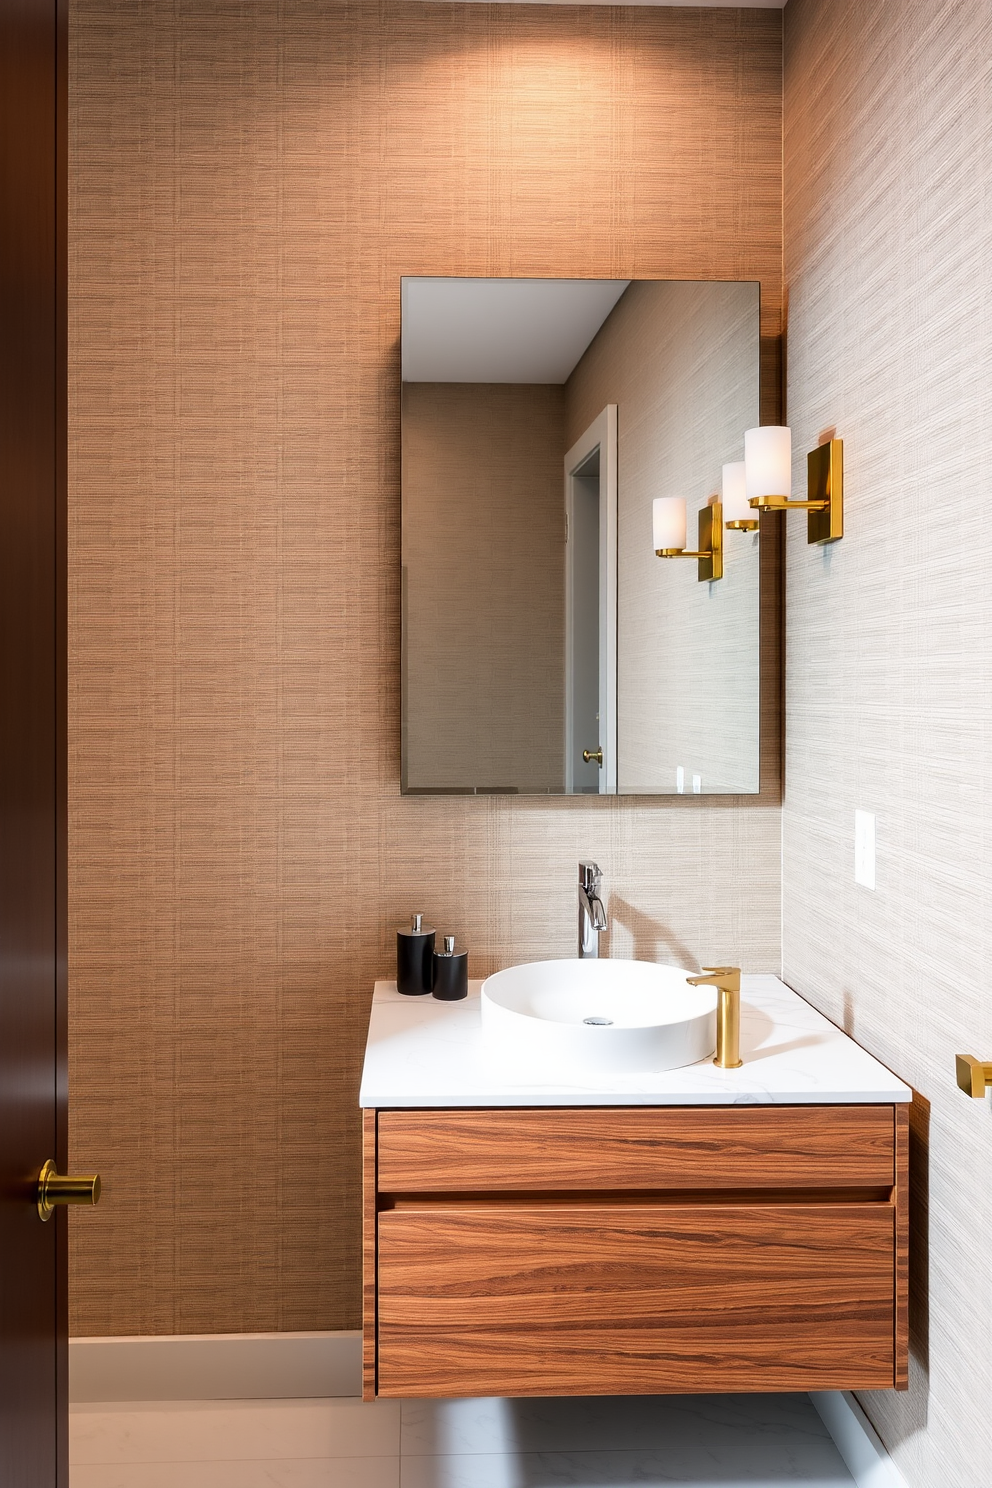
[546, 649]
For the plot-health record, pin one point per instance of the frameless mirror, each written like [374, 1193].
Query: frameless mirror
[546, 649]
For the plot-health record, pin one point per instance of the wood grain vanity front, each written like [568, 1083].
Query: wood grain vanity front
[637, 1147]
[636, 1250]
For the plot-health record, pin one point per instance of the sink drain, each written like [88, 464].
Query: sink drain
[599, 1022]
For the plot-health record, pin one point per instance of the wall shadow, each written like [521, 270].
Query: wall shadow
[607, 1442]
[919, 1231]
[652, 940]
[899, 1425]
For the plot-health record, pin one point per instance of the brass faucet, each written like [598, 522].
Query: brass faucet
[727, 981]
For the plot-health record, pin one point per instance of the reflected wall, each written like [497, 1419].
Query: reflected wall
[680, 360]
[483, 587]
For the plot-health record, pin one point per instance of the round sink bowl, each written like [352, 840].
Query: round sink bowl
[553, 1019]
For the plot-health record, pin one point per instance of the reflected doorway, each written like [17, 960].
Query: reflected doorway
[591, 609]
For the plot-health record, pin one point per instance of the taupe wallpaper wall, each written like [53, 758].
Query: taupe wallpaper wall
[484, 585]
[681, 362]
[888, 139]
[249, 184]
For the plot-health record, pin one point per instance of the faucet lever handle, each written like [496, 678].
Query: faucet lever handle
[727, 977]
[732, 974]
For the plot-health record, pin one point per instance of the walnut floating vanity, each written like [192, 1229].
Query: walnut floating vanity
[687, 1231]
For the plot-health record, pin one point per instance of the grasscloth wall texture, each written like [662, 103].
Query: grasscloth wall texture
[484, 585]
[249, 183]
[888, 211]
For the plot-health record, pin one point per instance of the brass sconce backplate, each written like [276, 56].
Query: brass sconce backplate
[711, 542]
[825, 483]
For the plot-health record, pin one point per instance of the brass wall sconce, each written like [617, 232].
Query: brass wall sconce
[736, 511]
[670, 534]
[973, 1077]
[768, 470]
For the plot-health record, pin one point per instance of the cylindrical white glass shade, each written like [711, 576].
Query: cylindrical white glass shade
[669, 522]
[768, 461]
[735, 507]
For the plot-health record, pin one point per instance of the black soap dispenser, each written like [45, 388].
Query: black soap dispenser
[414, 958]
[450, 972]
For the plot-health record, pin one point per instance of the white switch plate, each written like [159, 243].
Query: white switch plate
[864, 848]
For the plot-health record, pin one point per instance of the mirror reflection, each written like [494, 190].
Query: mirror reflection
[546, 649]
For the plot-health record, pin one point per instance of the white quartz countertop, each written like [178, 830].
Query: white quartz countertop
[424, 1053]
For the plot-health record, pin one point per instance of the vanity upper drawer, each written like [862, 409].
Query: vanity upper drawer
[636, 1147]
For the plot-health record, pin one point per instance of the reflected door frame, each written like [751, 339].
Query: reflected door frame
[601, 434]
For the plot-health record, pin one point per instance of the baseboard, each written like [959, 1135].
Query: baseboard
[215, 1366]
[857, 1440]
[281, 1366]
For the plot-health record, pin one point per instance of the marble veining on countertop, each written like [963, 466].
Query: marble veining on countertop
[423, 1053]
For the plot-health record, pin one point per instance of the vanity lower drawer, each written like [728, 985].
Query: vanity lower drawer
[507, 1298]
[636, 1147]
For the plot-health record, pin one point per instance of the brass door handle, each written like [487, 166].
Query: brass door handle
[593, 756]
[973, 1077]
[52, 1190]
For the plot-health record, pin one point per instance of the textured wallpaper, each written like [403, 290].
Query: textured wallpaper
[888, 219]
[484, 586]
[249, 182]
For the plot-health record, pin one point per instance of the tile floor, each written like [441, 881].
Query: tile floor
[723, 1440]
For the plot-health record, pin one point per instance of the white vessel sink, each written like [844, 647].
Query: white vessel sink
[557, 1019]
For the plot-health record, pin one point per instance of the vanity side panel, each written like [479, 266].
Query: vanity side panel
[369, 1237]
[901, 1199]
[632, 1147]
[519, 1299]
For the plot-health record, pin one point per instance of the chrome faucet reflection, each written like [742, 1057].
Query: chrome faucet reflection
[592, 915]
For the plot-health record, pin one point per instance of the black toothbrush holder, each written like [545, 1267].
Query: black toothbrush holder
[450, 972]
[415, 958]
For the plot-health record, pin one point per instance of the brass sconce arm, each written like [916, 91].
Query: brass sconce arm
[786, 503]
[727, 981]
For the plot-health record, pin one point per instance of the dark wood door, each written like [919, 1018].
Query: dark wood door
[33, 1332]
